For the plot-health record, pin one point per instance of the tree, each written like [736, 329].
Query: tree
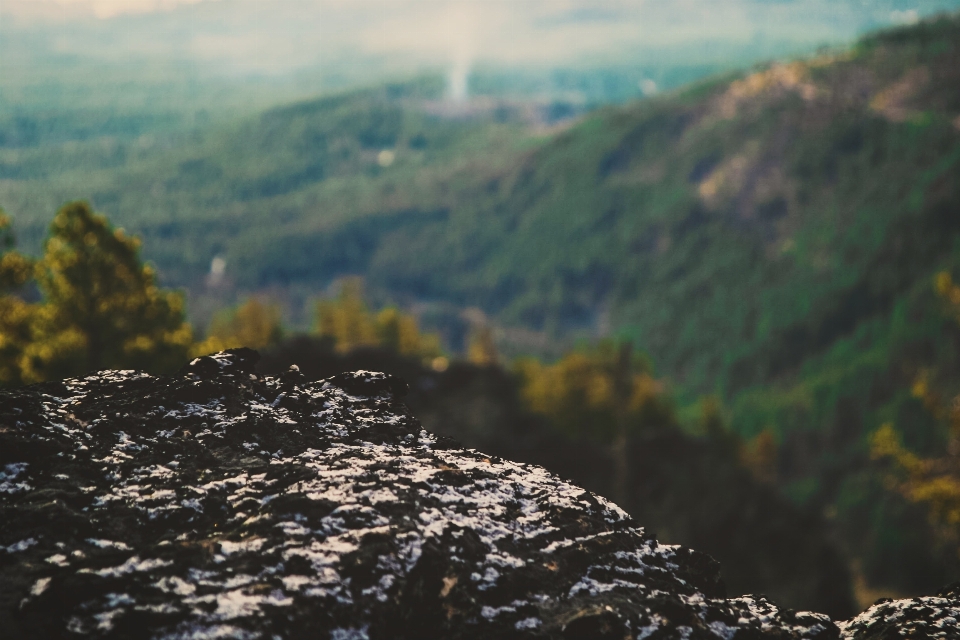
[253, 324]
[101, 305]
[933, 482]
[346, 319]
[16, 271]
[602, 392]
[351, 324]
[482, 347]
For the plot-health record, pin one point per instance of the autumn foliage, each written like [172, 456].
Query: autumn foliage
[99, 308]
[591, 392]
[933, 482]
[255, 324]
[349, 322]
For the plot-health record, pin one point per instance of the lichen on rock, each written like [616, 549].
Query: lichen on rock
[218, 503]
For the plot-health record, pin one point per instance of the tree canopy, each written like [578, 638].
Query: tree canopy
[254, 324]
[930, 481]
[351, 324]
[100, 306]
[16, 270]
[594, 392]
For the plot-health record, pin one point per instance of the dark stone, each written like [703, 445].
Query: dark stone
[232, 361]
[368, 383]
[914, 618]
[221, 504]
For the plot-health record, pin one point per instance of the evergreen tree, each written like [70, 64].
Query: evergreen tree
[253, 324]
[482, 347]
[16, 271]
[603, 392]
[102, 307]
[347, 319]
[351, 324]
[935, 481]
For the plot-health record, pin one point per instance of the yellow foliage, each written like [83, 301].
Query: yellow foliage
[101, 307]
[948, 290]
[934, 482]
[590, 393]
[401, 333]
[350, 323]
[253, 324]
[482, 348]
[16, 315]
[759, 455]
[347, 319]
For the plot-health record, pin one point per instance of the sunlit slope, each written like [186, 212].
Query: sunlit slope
[736, 230]
[296, 196]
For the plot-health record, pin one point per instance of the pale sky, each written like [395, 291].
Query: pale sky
[111, 8]
[282, 35]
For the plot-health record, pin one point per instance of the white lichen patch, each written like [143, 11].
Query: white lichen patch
[940, 618]
[12, 478]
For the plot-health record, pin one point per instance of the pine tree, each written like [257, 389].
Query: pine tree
[482, 347]
[351, 324]
[16, 271]
[253, 324]
[933, 482]
[102, 307]
[347, 319]
[601, 393]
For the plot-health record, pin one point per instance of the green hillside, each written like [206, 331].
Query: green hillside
[769, 237]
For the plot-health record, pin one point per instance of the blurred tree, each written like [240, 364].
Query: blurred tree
[253, 324]
[604, 393]
[482, 348]
[350, 323]
[101, 305]
[16, 271]
[759, 456]
[346, 319]
[711, 418]
[594, 392]
[400, 332]
[934, 482]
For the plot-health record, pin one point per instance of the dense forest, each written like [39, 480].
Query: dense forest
[778, 245]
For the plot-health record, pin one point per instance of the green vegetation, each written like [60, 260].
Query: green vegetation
[16, 271]
[254, 324]
[768, 238]
[594, 392]
[100, 307]
[935, 481]
[349, 324]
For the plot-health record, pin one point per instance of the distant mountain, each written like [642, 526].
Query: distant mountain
[770, 236]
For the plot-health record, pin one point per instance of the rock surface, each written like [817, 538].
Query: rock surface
[928, 617]
[220, 504]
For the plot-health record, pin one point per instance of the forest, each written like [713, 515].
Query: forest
[732, 307]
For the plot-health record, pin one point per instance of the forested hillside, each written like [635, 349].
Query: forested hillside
[770, 237]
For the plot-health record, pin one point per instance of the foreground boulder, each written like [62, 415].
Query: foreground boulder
[221, 504]
[914, 618]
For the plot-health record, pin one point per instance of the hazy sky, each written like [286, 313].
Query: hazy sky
[277, 36]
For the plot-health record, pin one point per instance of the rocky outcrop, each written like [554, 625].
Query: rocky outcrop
[219, 503]
[914, 618]
[692, 489]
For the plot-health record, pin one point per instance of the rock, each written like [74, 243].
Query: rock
[220, 504]
[689, 486]
[915, 618]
